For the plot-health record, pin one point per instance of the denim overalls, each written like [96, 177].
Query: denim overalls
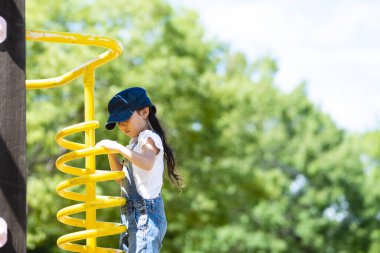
[145, 218]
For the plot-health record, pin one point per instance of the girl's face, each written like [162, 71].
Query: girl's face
[136, 123]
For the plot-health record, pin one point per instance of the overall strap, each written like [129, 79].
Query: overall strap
[129, 183]
[135, 203]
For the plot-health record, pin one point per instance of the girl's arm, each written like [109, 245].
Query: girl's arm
[114, 162]
[115, 165]
[144, 161]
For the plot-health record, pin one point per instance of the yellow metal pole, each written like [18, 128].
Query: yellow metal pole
[89, 83]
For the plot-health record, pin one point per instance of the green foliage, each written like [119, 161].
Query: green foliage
[265, 171]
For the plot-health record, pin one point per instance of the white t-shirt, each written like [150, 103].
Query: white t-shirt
[148, 182]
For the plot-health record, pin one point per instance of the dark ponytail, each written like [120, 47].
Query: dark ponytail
[168, 153]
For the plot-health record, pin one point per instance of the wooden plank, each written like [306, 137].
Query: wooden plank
[12, 126]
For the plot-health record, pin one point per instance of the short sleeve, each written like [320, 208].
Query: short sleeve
[143, 138]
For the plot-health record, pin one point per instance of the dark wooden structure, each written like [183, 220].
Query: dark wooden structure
[12, 126]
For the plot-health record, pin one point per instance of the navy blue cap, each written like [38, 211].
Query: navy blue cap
[124, 103]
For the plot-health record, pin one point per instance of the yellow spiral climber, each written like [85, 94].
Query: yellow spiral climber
[87, 176]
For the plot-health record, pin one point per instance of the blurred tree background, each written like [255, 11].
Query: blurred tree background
[265, 171]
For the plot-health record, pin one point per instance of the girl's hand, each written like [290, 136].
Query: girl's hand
[110, 145]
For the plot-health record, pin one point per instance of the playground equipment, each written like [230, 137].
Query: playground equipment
[87, 176]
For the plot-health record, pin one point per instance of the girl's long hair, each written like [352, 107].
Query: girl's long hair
[168, 152]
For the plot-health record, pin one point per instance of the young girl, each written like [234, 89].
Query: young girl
[143, 214]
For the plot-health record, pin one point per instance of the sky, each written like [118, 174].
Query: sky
[334, 46]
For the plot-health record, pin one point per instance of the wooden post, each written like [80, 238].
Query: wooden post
[12, 126]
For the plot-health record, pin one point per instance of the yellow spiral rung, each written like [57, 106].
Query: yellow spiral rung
[87, 176]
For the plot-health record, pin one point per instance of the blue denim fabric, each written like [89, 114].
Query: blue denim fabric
[144, 218]
[146, 228]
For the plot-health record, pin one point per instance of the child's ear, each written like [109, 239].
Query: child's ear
[145, 112]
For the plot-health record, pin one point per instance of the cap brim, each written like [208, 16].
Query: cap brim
[110, 126]
[117, 117]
